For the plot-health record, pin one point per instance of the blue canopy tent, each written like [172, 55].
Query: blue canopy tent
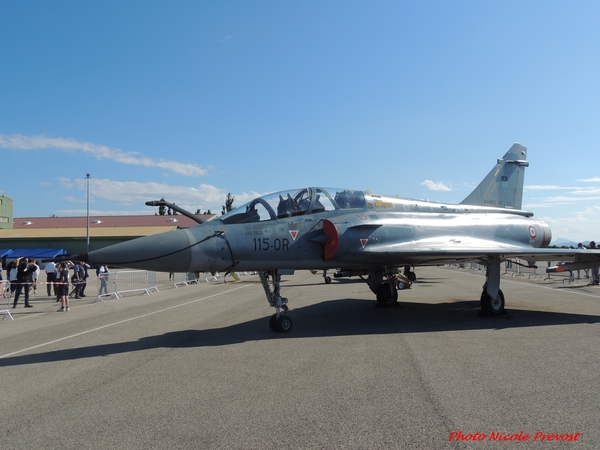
[5, 252]
[36, 253]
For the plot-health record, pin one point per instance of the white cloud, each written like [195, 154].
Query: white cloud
[65, 182]
[433, 186]
[134, 194]
[100, 152]
[573, 189]
[549, 202]
[580, 226]
[547, 188]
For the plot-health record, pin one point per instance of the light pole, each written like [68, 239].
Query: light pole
[87, 246]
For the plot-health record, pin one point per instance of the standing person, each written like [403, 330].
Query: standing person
[12, 276]
[50, 270]
[75, 280]
[83, 273]
[0, 270]
[63, 285]
[102, 274]
[25, 272]
[595, 275]
[586, 271]
[36, 274]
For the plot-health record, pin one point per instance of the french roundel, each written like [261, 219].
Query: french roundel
[532, 232]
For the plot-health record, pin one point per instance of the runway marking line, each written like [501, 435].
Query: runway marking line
[118, 323]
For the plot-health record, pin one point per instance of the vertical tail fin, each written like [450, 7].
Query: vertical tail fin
[503, 186]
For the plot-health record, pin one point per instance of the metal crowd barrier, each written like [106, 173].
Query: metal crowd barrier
[5, 300]
[184, 279]
[517, 267]
[118, 283]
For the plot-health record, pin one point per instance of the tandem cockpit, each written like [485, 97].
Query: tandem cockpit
[295, 202]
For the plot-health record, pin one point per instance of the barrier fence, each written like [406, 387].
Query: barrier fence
[115, 284]
[516, 267]
[184, 279]
[5, 300]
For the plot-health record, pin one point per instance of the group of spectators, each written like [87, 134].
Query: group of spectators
[24, 272]
[595, 271]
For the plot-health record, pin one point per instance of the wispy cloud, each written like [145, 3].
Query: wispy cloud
[433, 186]
[134, 193]
[552, 202]
[100, 152]
[547, 187]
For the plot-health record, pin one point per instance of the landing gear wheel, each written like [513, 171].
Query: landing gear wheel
[284, 324]
[412, 276]
[273, 323]
[327, 280]
[492, 306]
[387, 296]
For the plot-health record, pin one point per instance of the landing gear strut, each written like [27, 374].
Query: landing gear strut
[278, 321]
[492, 298]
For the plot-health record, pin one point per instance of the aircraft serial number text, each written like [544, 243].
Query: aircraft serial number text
[264, 244]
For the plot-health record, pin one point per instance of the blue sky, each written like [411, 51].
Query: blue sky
[190, 100]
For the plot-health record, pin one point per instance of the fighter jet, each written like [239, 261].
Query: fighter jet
[367, 234]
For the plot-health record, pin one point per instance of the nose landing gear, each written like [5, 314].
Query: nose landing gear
[278, 322]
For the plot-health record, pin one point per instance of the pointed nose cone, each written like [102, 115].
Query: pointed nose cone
[165, 252]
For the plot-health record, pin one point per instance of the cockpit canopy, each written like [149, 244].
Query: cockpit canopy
[295, 202]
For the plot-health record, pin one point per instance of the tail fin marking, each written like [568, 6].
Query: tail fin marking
[503, 186]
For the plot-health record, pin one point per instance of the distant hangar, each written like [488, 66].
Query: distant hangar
[70, 233]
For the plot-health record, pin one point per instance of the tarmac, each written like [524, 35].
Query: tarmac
[198, 367]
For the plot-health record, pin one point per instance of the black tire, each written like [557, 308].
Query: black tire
[400, 285]
[412, 276]
[273, 323]
[327, 280]
[492, 306]
[284, 324]
[387, 295]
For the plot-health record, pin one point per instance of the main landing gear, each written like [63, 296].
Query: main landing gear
[492, 298]
[384, 290]
[387, 295]
[279, 321]
[492, 306]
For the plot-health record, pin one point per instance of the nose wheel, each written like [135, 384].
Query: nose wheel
[279, 322]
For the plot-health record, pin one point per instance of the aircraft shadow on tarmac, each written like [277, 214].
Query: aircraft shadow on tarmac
[342, 317]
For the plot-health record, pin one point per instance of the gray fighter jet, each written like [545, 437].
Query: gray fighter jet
[364, 233]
